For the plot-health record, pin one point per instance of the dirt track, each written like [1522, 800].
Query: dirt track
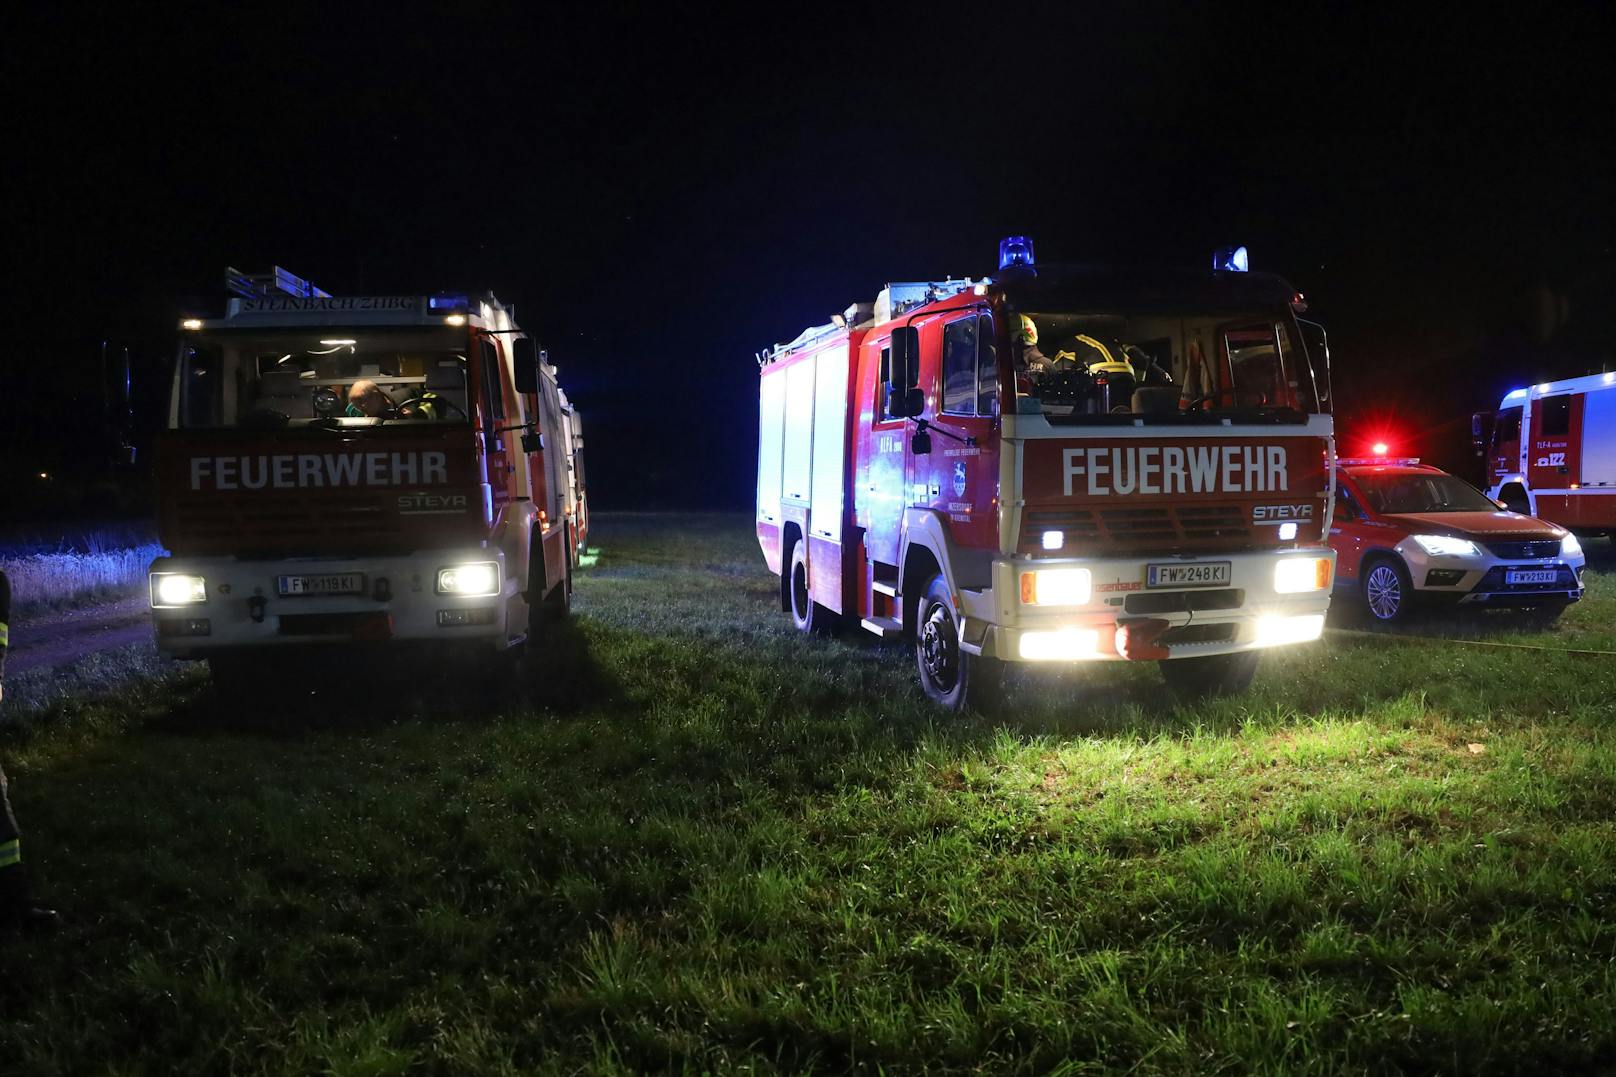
[60, 639]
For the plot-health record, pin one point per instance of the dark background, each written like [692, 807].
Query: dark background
[662, 192]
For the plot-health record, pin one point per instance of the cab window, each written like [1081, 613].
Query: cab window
[1556, 420]
[960, 389]
[987, 368]
[1507, 433]
[493, 393]
[883, 378]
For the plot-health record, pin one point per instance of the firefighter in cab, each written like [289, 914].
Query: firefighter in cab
[16, 905]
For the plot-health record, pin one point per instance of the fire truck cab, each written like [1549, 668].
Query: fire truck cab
[360, 469]
[1059, 465]
[1550, 451]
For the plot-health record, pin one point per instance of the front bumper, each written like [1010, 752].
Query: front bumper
[244, 608]
[1246, 614]
[1485, 580]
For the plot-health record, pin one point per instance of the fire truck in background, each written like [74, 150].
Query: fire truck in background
[572, 426]
[441, 512]
[927, 471]
[1550, 452]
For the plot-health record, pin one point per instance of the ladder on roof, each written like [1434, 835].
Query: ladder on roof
[276, 281]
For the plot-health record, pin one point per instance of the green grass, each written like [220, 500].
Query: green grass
[704, 843]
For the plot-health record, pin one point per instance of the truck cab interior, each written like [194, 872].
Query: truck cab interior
[308, 378]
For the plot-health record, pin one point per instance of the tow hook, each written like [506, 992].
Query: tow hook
[255, 609]
[383, 590]
[1136, 640]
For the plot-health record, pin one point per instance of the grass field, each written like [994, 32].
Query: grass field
[63, 578]
[698, 842]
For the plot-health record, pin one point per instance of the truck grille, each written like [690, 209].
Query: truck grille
[284, 522]
[1132, 529]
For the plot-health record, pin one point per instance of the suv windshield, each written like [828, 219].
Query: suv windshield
[1389, 493]
[321, 376]
[1069, 366]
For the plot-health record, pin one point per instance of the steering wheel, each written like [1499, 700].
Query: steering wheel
[442, 401]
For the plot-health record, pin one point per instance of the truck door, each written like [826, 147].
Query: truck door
[961, 473]
[1548, 463]
[492, 395]
[880, 492]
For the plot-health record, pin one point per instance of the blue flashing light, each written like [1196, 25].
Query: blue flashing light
[1231, 260]
[1015, 251]
[458, 304]
[1514, 394]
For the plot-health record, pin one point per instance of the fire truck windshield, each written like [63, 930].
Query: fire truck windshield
[321, 377]
[1077, 367]
[1392, 492]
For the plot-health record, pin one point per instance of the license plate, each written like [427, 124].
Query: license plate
[1199, 574]
[331, 583]
[1530, 575]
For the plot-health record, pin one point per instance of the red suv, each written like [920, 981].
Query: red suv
[1405, 532]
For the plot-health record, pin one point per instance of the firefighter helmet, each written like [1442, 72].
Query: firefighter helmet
[1028, 333]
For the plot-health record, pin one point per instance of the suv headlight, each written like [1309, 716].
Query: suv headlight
[1447, 546]
[171, 589]
[477, 579]
[1570, 547]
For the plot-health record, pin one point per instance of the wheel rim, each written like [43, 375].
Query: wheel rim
[1385, 590]
[939, 647]
[799, 591]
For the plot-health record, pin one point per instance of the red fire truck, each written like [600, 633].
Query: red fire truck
[1152, 481]
[362, 468]
[1550, 452]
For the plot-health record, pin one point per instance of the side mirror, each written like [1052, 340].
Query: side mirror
[532, 441]
[525, 356]
[1481, 431]
[1501, 504]
[920, 444]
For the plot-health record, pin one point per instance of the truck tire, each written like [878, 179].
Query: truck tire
[806, 614]
[950, 677]
[1388, 594]
[1190, 679]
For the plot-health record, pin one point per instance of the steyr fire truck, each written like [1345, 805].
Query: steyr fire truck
[358, 469]
[1057, 465]
[1550, 452]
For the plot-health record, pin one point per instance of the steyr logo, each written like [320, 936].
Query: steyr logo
[1280, 514]
[424, 504]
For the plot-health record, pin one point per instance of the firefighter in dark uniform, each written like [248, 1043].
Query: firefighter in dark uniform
[16, 907]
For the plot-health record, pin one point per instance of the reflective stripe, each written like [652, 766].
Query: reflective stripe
[10, 852]
[5, 634]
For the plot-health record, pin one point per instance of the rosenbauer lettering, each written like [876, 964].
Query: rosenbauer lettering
[1175, 469]
[295, 471]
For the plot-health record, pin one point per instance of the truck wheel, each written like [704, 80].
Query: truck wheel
[1515, 500]
[1387, 592]
[949, 677]
[1190, 679]
[806, 614]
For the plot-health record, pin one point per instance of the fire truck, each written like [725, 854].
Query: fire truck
[360, 469]
[1550, 452]
[1056, 465]
[572, 426]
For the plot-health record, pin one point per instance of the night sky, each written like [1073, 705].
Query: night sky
[663, 192]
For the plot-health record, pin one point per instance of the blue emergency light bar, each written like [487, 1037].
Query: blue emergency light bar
[1231, 260]
[449, 304]
[1015, 251]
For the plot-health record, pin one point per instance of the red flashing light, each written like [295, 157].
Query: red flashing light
[1380, 448]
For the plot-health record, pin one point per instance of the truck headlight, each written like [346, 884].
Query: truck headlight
[1275, 630]
[170, 589]
[1570, 547]
[1293, 575]
[1447, 546]
[477, 579]
[1057, 587]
